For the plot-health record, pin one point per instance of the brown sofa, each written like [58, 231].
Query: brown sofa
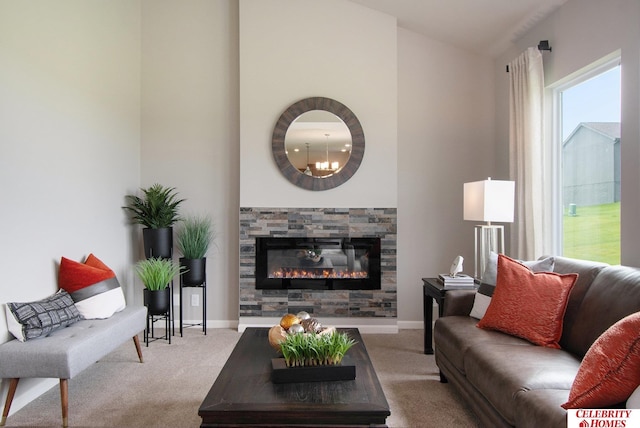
[507, 381]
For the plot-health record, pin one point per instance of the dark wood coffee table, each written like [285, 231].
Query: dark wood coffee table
[243, 393]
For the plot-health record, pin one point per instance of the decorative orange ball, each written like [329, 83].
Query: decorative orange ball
[277, 335]
[288, 320]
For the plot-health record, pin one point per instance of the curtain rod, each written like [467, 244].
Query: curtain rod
[542, 46]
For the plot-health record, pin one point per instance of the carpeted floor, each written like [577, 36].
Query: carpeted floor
[167, 390]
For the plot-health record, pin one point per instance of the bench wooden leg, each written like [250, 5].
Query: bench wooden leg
[136, 341]
[13, 384]
[64, 401]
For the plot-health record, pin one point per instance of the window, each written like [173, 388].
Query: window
[588, 177]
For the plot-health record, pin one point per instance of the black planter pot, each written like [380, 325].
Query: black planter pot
[158, 301]
[197, 271]
[158, 242]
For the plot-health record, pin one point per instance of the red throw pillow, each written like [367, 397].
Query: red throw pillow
[610, 370]
[74, 276]
[528, 304]
[93, 287]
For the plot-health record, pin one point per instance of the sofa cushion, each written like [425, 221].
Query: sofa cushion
[610, 371]
[93, 287]
[500, 372]
[541, 408]
[454, 335]
[528, 304]
[613, 294]
[488, 283]
[31, 320]
[572, 339]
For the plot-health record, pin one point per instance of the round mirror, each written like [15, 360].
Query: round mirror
[318, 143]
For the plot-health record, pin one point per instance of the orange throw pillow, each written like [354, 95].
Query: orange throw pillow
[93, 286]
[610, 370]
[530, 305]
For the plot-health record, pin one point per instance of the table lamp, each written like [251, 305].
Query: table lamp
[488, 200]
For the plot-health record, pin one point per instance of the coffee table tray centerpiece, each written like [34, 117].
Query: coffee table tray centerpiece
[310, 352]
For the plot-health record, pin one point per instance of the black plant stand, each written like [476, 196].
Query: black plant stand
[155, 314]
[149, 333]
[203, 323]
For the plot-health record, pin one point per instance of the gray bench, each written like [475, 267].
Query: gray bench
[67, 351]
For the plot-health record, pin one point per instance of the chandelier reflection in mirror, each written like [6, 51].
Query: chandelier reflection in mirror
[327, 165]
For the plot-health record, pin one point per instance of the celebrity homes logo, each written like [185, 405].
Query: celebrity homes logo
[603, 418]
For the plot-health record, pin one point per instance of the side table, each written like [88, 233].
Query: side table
[433, 289]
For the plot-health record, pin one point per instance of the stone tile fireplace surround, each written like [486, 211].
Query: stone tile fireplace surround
[359, 306]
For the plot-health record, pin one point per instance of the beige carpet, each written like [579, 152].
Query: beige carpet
[167, 390]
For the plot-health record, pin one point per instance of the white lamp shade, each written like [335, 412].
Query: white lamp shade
[489, 200]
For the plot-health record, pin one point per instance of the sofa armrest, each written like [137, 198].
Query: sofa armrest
[458, 302]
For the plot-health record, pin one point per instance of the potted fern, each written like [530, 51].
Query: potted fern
[157, 211]
[193, 240]
[156, 273]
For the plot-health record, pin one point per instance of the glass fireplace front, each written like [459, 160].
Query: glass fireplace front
[318, 263]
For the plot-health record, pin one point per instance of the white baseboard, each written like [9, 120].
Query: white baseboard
[410, 325]
[210, 324]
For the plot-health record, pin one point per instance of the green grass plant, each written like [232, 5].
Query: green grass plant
[194, 236]
[156, 273]
[309, 349]
[593, 234]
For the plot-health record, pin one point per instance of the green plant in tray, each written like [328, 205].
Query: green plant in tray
[307, 349]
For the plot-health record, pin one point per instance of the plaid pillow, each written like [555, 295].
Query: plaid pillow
[35, 319]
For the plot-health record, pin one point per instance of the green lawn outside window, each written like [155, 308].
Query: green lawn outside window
[593, 233]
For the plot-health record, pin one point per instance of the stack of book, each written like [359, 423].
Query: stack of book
[459, 281]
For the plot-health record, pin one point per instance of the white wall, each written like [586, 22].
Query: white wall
[293, 49]
[580, 33]
[445, 138]
[190, 129]
[69, 143]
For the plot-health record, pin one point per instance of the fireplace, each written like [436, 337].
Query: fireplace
[318, 263]
[257, 303]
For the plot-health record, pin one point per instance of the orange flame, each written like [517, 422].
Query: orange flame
[295, 273]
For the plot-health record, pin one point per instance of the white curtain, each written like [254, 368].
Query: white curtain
[527, 154]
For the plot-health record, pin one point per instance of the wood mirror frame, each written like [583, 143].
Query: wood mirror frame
[291, 172]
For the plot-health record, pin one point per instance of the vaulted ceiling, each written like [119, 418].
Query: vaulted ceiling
[483, 26]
